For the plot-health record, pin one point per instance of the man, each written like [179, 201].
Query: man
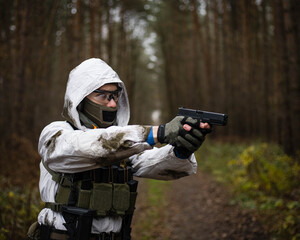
[88, 160]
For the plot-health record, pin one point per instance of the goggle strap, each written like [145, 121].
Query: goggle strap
[106, 91]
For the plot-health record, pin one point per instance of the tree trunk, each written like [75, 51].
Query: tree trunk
[267, 121]
[77, 38]
[109, 41]
[228, 56]
[293, 74]
[282, 80]
[92, 28]
[99, 12]
[121, 50]
[204, 50]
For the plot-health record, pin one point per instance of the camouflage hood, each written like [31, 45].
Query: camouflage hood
[84, 79]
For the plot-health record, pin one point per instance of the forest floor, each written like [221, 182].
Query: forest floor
[197, 207]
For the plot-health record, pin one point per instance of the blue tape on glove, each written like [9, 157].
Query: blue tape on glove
[150, 139]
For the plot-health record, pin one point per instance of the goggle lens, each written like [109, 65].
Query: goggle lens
[106, 96]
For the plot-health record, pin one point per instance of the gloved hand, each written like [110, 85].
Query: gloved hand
[185, 142]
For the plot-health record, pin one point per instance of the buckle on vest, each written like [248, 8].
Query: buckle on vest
[54, 206]
[57, 207]
[65, 181]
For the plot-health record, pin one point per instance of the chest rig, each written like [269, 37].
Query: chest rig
[110, 191]
[101, 192]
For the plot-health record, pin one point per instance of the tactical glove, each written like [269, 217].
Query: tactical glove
[185, 142]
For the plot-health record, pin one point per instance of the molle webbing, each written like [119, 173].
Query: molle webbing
[108, 190]
[58, 177]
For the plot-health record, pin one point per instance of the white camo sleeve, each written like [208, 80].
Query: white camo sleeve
[162, 164]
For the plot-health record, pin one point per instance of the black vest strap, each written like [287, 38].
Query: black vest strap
[75, 128]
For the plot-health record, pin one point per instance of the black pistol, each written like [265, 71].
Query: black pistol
[211, 118]
[78, 222]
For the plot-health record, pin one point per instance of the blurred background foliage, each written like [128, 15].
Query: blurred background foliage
[237, 57]
[262, 177]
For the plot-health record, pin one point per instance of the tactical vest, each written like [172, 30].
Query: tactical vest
[110, 191]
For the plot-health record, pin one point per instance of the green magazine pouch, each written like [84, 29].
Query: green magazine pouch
[84, 198]
[121, 198]
[101, 198]
[62, 194]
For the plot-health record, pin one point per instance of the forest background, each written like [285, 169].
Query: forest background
[235, 57]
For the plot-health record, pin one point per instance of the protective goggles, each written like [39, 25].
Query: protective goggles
[105, 96]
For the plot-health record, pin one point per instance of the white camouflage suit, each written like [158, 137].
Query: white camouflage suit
[67, 150]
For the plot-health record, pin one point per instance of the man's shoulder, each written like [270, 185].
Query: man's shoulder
[59, 125]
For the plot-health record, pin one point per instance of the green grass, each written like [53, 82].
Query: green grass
[213, 157]
[262, 178]
[156, 190]
[151, 225]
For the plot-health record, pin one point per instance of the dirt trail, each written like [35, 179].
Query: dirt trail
[198, 209]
